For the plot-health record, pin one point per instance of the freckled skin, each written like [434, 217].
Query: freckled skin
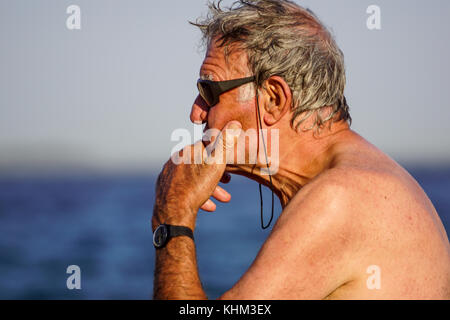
[346, 207]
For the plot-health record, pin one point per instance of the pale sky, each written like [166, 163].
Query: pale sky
[110, 95]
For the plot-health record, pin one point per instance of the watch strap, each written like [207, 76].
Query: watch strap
[176, 231]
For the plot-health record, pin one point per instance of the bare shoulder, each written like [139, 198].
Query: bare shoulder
[347, 193]
[381, 202]
[339, 225]
[389, 222]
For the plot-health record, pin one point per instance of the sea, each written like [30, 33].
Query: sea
[101, 223]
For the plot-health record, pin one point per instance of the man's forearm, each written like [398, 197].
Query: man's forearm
[176, 274]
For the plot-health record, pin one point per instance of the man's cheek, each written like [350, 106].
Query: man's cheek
[219, 117]
[247, 116]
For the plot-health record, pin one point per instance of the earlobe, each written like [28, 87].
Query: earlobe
[269, 120]
[271, 115]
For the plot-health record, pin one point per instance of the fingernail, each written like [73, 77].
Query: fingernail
[235, 125]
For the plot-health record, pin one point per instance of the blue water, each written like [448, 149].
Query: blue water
[101, 224]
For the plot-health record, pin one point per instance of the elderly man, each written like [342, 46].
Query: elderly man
[348, 209]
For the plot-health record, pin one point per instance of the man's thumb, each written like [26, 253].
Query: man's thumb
[232, 131]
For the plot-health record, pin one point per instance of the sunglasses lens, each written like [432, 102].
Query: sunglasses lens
[206, 93]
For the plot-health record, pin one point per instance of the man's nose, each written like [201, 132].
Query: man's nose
[199, 111]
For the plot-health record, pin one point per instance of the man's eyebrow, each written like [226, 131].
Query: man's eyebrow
[206, 76]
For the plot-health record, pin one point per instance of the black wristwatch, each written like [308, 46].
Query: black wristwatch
[165, 232]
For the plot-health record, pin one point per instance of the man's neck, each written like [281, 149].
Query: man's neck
[301, 159]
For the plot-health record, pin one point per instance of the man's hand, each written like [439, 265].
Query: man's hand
[182, 189]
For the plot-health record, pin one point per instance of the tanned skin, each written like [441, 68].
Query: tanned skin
[346, 206]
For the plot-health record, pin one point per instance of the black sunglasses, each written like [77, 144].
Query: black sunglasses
[210, 91]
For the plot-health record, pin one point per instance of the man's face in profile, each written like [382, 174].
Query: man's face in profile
[236, 104]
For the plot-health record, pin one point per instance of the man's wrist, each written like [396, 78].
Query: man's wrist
[182, 217]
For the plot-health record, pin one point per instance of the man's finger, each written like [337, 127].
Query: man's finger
[209, 206]
[221, 194]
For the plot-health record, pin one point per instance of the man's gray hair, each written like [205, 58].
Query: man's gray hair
[281, 38]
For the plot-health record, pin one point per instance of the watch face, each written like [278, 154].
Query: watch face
[160, 236]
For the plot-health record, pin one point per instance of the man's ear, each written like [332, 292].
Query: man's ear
[279, 100]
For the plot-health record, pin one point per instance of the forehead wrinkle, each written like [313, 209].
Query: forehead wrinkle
[216, 66]
[211, 66]
[238, 63]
